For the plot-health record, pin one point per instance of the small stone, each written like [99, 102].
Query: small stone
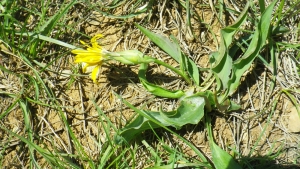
[93, 22]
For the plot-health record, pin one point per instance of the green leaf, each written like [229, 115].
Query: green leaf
[187, 64]
[261, 5]
[292, 98]
[154, 89]
[233, 106]
[163, 42]
[222, 61]
[220, 158]
[173, 49]
[48, 39]
[161, 92]
[241, 65]
[6, 70]
[183, 165]
[193, 70]
[190, 111]
[279, 30]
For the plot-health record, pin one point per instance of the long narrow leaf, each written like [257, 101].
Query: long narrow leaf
[186, 64]
[48, 39]
[259, 40]
[154, 89]
[221, 159]
[222, 61]
[163, 42]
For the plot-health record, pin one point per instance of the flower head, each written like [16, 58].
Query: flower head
[93, 56]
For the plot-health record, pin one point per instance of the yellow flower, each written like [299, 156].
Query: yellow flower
[93, 56]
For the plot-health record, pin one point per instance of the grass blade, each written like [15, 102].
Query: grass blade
[48, 39]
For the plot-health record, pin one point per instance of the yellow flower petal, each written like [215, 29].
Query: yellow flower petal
[95, 74]
[92, 56]
[90, 59]
[82, 42]
[94, 41]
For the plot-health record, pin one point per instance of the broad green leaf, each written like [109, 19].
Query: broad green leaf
[241, 65]
[220, 158]
[210, 100]
[222, 61]
[154, 89]
[182, 58]
[119, 139]
[190, 111]
[233, 106]
[138, 125]
[163, 42]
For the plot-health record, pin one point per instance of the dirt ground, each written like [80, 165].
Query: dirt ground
[258, 128]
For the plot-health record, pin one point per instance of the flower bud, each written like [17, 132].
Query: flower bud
[130, 57]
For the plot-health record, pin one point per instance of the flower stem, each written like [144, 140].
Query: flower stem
[182, 74]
